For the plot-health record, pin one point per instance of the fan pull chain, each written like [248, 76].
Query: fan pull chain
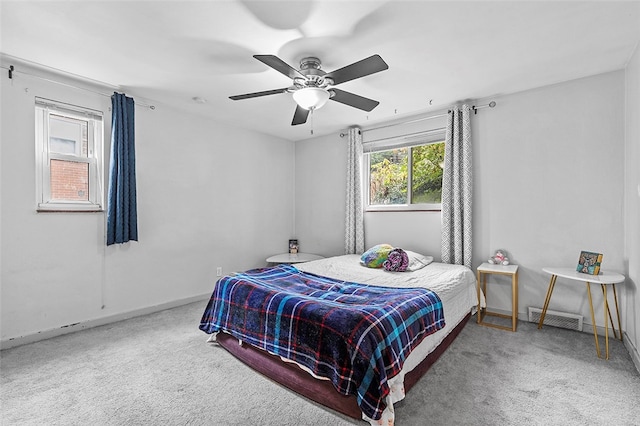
[312, 109]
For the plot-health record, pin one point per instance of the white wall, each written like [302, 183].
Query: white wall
[320, 179]
[549, 182]
[551, 177]
[632, 205]
[206, 198]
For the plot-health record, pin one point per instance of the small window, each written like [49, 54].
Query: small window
[69, 160]
[405, 177]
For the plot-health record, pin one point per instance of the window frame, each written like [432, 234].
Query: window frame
[409, 142]
[44, 109]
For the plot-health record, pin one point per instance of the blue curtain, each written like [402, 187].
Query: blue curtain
[122, 216]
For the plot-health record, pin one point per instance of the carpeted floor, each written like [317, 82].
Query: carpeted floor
[158, 370]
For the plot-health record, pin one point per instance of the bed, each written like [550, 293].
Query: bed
[444, 296]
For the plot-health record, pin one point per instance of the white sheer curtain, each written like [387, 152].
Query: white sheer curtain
[457, 185]
[354, 219]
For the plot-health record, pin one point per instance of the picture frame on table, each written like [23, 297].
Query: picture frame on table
[589, 262]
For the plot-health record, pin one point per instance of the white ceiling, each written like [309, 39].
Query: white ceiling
[439, 53]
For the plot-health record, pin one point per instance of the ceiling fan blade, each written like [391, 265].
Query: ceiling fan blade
[370, 65]
[257, 94]
[300, 116]
[279, 65]
[353, 100]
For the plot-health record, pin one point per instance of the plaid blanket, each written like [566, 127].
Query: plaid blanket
[356, 335]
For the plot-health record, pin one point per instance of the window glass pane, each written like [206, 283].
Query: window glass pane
[62, 146]
[426, 173]
[388, 177]
[69, 180]
[68, 135]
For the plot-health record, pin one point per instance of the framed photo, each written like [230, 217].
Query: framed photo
[589, 263]
[293, 246]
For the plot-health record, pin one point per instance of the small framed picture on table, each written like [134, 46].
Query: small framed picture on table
[293, 246]
[589, 263]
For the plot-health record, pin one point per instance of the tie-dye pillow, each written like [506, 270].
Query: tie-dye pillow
[375, 256]
[397, 261]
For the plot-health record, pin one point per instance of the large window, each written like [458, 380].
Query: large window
[69, 160]
[405, 177]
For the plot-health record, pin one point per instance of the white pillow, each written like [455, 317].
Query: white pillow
[417, 260]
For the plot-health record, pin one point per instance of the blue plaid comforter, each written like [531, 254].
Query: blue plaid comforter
[356, 335]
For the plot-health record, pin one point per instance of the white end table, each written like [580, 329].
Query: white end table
[293, 258]
[509, 270]
[604, 278]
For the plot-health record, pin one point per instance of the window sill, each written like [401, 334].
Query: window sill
[67, 211]
[377, 209]
[69, 208]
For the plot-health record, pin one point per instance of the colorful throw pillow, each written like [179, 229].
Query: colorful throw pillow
[397, 261]
[375, 256]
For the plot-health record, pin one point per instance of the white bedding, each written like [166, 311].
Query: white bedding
[454, 284]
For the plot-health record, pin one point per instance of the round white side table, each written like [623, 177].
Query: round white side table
[293, 258]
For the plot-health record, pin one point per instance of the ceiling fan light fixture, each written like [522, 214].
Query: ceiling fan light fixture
[311, 97]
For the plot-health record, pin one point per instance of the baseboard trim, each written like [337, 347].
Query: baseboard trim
[83, 325]
[633, 351]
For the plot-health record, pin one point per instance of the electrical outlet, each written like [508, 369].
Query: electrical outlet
[219, 271]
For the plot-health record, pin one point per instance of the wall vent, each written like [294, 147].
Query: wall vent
[556, 319]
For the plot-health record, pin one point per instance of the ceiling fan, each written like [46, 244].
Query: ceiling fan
[312, 87]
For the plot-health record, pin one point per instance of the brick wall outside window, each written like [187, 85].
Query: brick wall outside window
[69, 180]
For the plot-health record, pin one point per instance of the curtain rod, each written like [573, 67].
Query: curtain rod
[473, 108]
[11, 69]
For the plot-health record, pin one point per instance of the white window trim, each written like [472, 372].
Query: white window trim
[386, 144]
[95, 159]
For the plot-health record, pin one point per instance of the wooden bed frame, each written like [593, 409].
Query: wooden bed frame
[321, 391]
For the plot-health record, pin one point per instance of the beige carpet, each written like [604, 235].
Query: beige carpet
[158, 370]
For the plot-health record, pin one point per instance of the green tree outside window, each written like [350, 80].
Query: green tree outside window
[389, 175]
